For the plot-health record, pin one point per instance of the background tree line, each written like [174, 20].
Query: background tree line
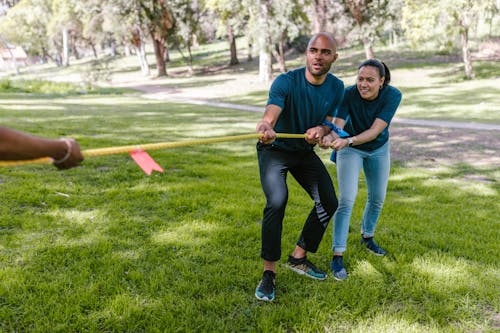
[57, 29]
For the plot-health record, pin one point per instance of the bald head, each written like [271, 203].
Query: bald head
[320, 54]
[326, 37]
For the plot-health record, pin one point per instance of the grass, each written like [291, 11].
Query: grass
[106, 248]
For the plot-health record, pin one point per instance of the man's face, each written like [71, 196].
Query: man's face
[320, 55]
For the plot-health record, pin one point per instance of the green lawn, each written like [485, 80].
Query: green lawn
[105, 248]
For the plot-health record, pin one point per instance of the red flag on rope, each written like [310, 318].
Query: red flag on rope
[145, 161]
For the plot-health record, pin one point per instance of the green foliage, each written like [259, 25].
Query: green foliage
[440, 23]
[105, 248]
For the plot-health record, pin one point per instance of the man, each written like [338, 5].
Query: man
[300, 101]
[15, 145]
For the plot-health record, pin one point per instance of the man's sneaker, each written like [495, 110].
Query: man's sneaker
[265, 289]
[305, 267]
[372, 246]
[338, 269]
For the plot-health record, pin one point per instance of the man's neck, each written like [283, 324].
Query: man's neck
[315, 79]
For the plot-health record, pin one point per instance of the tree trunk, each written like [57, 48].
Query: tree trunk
[280, 54]
[265, 63]
[249, 55]
[232, 45]
[94, 50]
[143, 61]
[159, 47]
[65, 55]
[367, 43]
[74, 50]
[320, 19]
[464, 35]
[137, 40]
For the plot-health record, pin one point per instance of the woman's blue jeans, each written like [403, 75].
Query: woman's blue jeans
[376, 167]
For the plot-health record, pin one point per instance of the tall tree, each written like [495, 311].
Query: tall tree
[446, 23]
[289, 19]
[231, 14]
[65, 26]
[369, 17]
[187, 16]
[159, 22]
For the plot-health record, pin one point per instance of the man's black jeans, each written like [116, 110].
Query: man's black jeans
[310, 172]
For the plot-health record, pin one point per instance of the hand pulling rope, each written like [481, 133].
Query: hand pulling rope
[155, 146]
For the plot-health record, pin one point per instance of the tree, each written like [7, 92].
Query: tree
[231, 14]
[369, 17]
[159, 22]
[289, 19]
[445, 23]
[26, 24]
[187, 16]
[65, 26]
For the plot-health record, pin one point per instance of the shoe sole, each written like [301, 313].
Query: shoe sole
[301, 272]
[375, 253]
[337, 279]
[264, 298]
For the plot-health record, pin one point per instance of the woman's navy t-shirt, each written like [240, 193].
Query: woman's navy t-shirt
[360, 114]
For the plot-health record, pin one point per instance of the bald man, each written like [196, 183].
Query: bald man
[300, 101]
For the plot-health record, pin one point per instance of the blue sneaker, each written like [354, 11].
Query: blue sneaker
[305, 267]
[373, 247]
[267, 286]
[338, 269]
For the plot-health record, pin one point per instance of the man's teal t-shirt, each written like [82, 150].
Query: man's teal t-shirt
[303, 105]
[360, 114]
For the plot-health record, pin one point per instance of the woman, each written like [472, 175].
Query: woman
[366, 113]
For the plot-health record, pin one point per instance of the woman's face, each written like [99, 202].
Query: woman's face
[369, 82]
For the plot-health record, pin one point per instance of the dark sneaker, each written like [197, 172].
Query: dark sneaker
[265, 289]
[338, 269]
[372, 246]
[305, 267]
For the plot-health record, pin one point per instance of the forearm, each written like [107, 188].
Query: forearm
[366, 136]
[15, 145]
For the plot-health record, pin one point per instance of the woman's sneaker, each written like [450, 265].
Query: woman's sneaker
[267, 286]
[338, 269]
[373, 247]
[305, 267]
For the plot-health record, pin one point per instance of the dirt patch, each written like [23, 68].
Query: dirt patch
[431, 147]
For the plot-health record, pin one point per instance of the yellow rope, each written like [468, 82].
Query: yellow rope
[154, 146]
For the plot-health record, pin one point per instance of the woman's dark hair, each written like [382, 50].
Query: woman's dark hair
[383, 70]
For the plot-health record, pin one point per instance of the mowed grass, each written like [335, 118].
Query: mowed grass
[105, 247]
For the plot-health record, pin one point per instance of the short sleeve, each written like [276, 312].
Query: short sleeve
[392, 99]
[279, 91]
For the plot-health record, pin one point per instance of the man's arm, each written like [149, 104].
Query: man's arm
[266, 125]
[16, 145]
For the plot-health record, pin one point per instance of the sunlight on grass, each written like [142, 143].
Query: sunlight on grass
[443, 274]
[134, 254]
[405, 174]
[470, 187]
[192, 233]
[367, 271]
[26, 107]
[10, 278]
[76, 216]
[388, 323]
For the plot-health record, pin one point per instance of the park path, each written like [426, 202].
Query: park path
[415, 142]
[161, 93]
